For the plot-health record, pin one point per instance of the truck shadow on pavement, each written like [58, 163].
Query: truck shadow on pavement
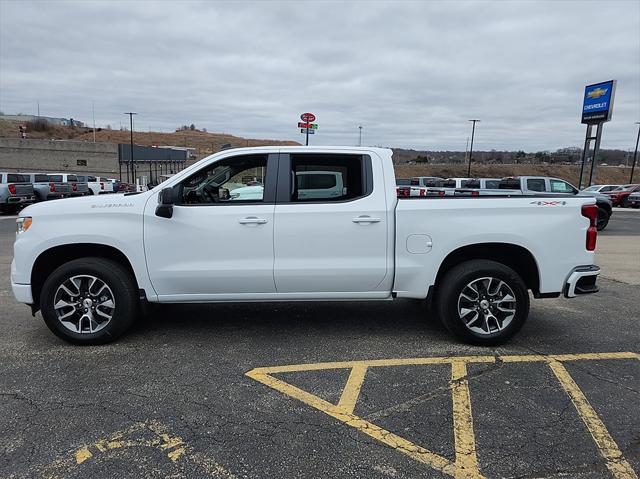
[320, 318]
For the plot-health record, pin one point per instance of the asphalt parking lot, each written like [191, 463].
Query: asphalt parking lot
[311, 390]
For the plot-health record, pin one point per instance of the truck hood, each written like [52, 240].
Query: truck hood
[85, 204]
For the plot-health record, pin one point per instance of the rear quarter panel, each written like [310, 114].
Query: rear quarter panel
[552, 229]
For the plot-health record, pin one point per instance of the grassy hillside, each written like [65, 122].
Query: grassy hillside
[204, 142]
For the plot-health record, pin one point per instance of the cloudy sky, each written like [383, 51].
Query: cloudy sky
[412, 73]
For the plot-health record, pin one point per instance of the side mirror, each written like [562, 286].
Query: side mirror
[166, 200]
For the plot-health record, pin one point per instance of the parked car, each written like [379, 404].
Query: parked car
[90, 263]
[601, 188]
[634, 200]
[76, 187]
[403, 186]
[15, 191]
[96, 185]
[429, 186]
[427, 181]
[473, 186]
[46, 187]
[620, 196]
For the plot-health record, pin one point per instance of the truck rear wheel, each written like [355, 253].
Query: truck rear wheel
[482, 302]
[89, 301]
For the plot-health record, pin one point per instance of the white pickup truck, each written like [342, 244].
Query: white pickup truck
[91, 264]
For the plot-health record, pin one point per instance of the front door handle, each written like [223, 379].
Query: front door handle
[252, 220]
[366, 219]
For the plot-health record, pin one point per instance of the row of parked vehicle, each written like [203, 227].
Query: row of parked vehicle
[607, 196]
[20, 189]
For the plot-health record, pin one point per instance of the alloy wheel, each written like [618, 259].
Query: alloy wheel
[486, 305]
[84, 304]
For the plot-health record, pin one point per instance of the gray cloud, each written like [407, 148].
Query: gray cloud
[411, 72]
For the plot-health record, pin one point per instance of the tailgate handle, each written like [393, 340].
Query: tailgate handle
[252, 220]
[366, 219]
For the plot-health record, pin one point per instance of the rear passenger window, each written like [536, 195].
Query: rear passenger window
[535, 185]
[449, 184]
[41, 179]
[492, 184]
[327, 177]
[55, 178]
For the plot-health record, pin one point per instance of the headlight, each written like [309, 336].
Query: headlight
[23, 223]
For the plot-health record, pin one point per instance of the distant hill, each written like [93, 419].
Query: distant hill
[203, 142]
[563, 156]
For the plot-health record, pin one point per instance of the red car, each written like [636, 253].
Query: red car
[620, 196]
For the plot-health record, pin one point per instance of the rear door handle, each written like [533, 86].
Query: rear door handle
[252, 220]
[366, 219]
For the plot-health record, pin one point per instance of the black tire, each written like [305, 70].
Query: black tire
[121, 284]
[603, 219]
[453, 284]
[625, 202]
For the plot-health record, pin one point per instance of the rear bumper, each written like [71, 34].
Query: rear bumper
[17, 200]
[582, 280]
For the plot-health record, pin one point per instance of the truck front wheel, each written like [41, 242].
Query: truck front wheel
[89, 301]
[482, 302]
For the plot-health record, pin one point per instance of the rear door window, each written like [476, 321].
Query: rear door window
[322, 177]
[72, 178]
[535, 184]
[449, 184]
[55, 178]
[492, 184]
[42, 179]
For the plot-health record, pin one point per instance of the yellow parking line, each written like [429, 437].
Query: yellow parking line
[443, 360]
[466, 463]
[398, 443]
[567, 357]
[351, 391]
[616, 462]
[464, 437]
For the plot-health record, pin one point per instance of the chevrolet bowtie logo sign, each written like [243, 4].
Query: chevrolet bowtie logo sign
[597, 93]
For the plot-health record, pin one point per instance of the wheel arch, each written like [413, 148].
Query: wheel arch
[54, 257]
[517, 257]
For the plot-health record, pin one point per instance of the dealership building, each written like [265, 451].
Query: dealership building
[111, 160]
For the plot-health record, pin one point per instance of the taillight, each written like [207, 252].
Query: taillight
[423, 192]
[12, 189]
[52, 187]
[74, 186]
[475, 193]
[440, 194]
[591, 212]
[102, 186]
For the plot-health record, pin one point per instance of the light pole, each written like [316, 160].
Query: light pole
[473, 132]
[130, 113]
[635, 153]
[360, 135]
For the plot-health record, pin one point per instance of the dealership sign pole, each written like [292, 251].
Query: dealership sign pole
[597, 108]
[307, 126]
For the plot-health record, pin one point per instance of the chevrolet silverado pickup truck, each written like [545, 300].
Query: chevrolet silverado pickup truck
[91, 264]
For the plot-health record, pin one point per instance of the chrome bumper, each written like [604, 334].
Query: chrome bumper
[582, 280]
